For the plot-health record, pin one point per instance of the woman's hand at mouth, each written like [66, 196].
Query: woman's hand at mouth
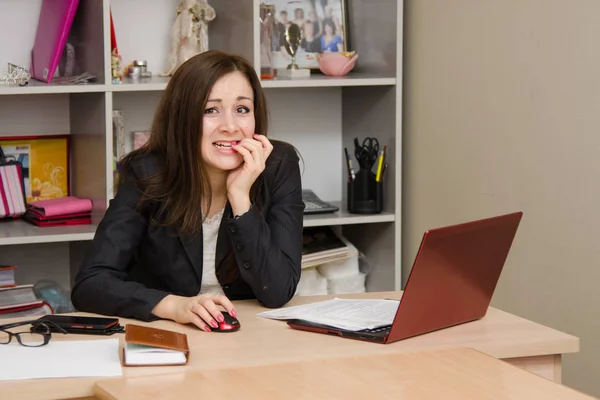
[254, 152]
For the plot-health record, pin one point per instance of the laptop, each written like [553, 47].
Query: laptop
[452, 281]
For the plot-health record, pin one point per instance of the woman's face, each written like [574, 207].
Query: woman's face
[228, 118]
[328, 29]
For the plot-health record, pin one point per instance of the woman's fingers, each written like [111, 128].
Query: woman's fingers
[226, 303]
[203, 313]
[252, 151]
[213, 310]
[244, 152]
[257, 150]
[199, 322]
[266, 144]
[255, 146]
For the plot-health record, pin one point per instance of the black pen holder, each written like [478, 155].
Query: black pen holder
[365, 194]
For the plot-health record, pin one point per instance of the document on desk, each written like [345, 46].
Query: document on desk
[61, 359]
[350, 314]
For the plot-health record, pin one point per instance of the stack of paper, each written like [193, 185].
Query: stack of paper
[61, 359]
[350, 314]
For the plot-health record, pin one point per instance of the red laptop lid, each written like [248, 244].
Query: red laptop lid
[454, 275]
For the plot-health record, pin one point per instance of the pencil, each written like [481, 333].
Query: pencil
[379, 167]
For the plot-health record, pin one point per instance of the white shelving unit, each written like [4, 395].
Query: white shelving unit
[319, 116]
[343, 217]
[21, 232]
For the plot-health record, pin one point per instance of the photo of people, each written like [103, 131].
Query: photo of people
[321, 23]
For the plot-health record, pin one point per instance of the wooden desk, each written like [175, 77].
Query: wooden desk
[261, 341]
[450, 374]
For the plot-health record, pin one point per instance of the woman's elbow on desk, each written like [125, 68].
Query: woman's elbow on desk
[274, 302]
[279, 297]
[88, 295]
[82, 298]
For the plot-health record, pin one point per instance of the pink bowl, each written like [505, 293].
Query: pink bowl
[336, 64]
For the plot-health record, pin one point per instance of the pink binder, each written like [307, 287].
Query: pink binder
[54, 25]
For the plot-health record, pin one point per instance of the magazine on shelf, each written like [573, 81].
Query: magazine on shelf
[321, 244]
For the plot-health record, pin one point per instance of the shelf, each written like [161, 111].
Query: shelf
[316, 80]
[160, 83]
[155, 83]
[342, 217]
[21, 232]
[319, 80]
[37, 87]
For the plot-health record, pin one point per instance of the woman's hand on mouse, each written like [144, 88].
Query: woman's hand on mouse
[255, 152]
[202, 310]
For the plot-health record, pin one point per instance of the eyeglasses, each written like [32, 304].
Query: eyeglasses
[38, 335]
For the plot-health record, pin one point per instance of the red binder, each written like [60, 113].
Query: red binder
[54, 25]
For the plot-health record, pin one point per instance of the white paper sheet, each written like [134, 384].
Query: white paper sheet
[61, 359]
[351, 314]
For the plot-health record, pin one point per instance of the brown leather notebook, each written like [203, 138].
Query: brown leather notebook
[146, 346]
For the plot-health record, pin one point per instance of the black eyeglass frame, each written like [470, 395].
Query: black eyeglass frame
[36, 324]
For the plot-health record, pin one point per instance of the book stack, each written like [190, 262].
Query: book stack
[68, 210]
[21, 301]
[330, 264]
[7, 276]
[321, 244]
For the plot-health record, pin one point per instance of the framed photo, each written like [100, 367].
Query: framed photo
[46, 162]
[323, 27]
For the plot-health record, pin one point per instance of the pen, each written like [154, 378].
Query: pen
[348, 162]
[384, 162]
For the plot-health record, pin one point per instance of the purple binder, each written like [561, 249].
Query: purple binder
[54, 25]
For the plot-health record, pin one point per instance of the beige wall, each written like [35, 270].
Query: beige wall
[502, 113]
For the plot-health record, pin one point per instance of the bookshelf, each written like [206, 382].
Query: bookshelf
[319, 116]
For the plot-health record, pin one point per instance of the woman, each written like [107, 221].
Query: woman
[310, 43]
[330, 41]
[207, 211]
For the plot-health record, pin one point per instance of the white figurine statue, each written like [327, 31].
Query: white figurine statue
[189, 35]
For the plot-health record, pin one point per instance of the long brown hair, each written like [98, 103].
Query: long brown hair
[175, 138]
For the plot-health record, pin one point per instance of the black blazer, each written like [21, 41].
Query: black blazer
[132, 264]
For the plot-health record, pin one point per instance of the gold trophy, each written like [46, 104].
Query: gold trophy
[293, 37]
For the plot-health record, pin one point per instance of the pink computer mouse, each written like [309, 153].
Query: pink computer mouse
[229, 324]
